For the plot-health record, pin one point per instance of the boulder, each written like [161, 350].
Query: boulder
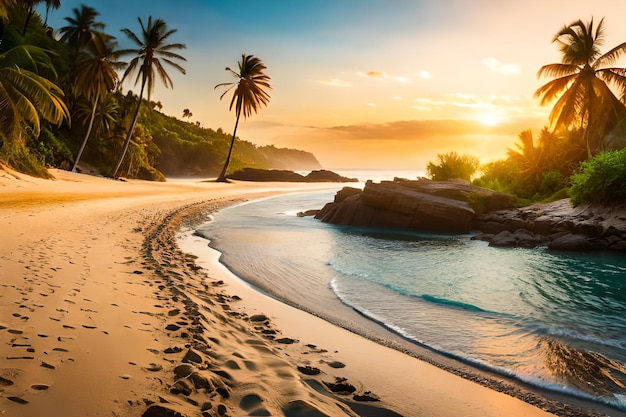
[586, 227]
[570, 242]
[521, 238]
[434, 206]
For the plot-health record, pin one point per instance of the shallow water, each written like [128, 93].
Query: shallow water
[554, 320]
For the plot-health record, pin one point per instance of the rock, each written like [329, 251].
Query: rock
[327, 176]
[558, 224]
[503, 239]
[570, 242]
[276, 175]
[521, 238]
[435, 206]
[307, 213]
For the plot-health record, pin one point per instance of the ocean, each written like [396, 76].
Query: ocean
[553, 320]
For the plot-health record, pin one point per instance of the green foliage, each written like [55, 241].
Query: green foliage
[18, 156]
[453, 166]
[49, 150]
[551, 182]
[601, 179]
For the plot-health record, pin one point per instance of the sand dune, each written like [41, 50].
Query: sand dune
[101, 314]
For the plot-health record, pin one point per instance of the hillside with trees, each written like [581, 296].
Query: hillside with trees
[61, 103]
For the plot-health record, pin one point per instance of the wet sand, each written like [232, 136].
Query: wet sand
[101, 314]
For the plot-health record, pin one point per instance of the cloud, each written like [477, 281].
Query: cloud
[377, 74]
[495, 65]
[425, 130]
[333, 82]
[424, 74]
[382, 75]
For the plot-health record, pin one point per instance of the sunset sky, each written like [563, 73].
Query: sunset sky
[367, 83]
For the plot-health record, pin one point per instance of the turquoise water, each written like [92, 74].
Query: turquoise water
[554, 320]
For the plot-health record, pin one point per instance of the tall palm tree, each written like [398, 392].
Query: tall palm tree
[187, 113]
[581, 82]
[96, 76]
[25, 96]
[147, 63]
[249, 94]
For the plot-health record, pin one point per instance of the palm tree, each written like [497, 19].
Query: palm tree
[30, 5]
[152, 46]
[581, 84]
[25, 96]
[187, 113]
[248, 96]
[81, 28]
[96, 77]
[527, 155]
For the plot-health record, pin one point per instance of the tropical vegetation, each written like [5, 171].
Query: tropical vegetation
[453, 166]
[61, 104]
[586, 123]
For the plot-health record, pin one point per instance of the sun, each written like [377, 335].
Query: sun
[489, 119]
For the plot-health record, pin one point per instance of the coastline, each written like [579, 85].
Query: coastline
[360, 332]
[100, 307]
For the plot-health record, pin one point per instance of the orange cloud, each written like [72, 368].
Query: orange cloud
[333, 82]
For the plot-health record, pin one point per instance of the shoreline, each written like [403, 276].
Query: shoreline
[555, 402]
[104, 314]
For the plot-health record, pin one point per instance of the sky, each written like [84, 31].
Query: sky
[364, 84]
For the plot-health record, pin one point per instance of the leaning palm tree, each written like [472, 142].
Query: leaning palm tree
[248, 96]
[152, 46]
[25, 96]
[581, 82]
[95, 77]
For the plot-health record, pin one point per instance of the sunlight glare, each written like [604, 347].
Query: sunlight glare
[489, 119]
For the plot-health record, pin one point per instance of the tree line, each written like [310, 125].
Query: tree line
[581, 153]
[61, 98]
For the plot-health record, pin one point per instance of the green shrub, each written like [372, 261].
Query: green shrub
[551, 182]
[453, 166]
[600, 179]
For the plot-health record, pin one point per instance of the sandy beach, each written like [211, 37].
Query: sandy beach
[103, 314]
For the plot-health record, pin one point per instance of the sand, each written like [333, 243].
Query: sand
[102, 314]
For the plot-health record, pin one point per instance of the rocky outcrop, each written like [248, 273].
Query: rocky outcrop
[434, 206]
[277, 175]
[557, 225]
[457, 207]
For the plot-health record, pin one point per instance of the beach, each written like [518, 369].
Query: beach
[103, 314]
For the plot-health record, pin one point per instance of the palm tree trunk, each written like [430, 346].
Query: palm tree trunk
[82, 147]
[129, 135]
[29, 14]
[222, 176]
